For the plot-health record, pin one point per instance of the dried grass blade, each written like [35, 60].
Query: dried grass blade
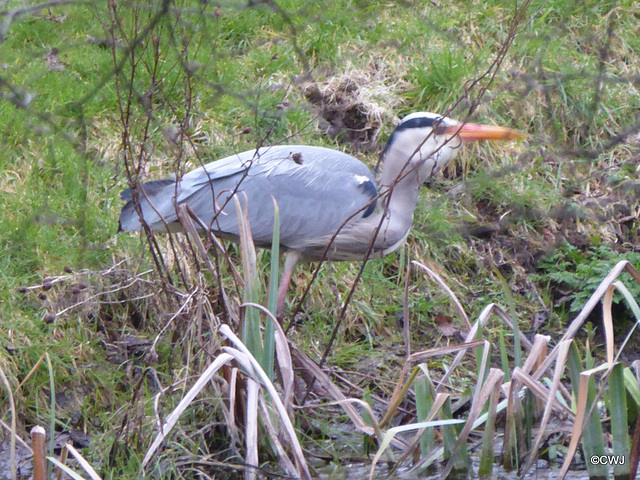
[251, 430]
[372, 415]
[402, 387]
[52, 412]
[437, 352]
[247, 249]
[406, 314]
[192, 217]
[231, 423]
[283, 458]
[607, 320]
[262, 377]
[63, 459]
[220, 360]
[65, 469]
[537, 350]
[377, 431]
[473, 332]
[322, 379]
[557, 377]
[579, 423]
[285, 364]
[31, 372]
[541, 392]
[82, 461]
[399, 393]
[593, 301]
[446, 288]
[185, 305]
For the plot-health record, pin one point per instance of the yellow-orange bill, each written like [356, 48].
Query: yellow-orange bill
[474, 131]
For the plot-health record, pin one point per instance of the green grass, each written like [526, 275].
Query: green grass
[236, 77]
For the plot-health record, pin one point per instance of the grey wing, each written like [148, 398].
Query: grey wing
[317, 190]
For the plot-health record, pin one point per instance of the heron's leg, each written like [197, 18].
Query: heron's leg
[290, 260]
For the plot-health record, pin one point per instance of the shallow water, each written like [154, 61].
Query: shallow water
[353, 471]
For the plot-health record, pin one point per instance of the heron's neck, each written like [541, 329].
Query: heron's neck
[400, 182]
[400, 188]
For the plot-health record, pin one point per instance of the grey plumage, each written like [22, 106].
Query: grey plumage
[315, 195]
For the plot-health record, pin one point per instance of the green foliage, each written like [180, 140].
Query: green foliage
[582, 270]
[617, 406]
[443, 79]
[425, 393]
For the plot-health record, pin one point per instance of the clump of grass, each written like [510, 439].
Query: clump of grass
[442, 81]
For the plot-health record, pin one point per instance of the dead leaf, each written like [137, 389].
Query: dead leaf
[445, 325]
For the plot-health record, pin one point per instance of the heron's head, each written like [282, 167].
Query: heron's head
[428, 142]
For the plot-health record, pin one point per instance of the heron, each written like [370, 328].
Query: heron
[330, 207]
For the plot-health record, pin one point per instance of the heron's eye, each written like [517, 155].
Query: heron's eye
[440, 129]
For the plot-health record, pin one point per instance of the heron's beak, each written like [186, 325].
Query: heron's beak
[473, 132]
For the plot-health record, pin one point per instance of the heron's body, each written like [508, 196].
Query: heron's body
[325, 198]
[317, 190]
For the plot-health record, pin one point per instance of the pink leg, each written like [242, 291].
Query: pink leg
[290, 260]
